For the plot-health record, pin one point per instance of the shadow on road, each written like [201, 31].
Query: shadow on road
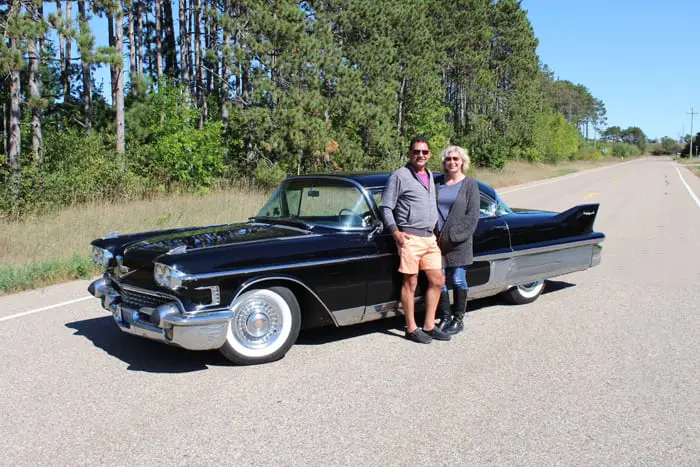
[153, 357]
[142, 354]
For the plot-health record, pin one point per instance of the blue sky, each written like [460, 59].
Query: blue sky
[642, 58]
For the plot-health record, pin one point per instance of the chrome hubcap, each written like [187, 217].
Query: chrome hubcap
[530, 286]
[257, 323]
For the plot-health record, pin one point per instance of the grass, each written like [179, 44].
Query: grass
[43, 250]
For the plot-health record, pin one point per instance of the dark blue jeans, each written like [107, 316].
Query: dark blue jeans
[457, 277]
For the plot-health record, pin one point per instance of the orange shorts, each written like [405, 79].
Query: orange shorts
[419, 254]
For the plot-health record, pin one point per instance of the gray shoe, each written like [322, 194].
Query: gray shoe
[438, 335]
[419, 336]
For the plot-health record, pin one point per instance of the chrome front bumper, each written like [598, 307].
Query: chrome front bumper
[167, 323]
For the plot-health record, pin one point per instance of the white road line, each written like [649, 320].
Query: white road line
[687, 187]
[563, 177]
[30, 312]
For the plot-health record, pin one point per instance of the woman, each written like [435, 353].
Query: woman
[458, 207]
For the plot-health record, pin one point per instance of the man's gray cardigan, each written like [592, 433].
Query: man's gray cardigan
[408, 205]
[456, 237]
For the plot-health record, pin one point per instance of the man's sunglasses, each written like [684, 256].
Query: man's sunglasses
[418, 152]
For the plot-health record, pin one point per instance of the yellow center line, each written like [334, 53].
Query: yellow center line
[591, 195]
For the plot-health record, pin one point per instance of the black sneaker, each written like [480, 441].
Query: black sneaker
[438, 335]
[419, 336]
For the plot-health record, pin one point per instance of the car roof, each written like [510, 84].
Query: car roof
[376, 180]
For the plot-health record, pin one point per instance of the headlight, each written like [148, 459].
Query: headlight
[101, 256]
[168, 277]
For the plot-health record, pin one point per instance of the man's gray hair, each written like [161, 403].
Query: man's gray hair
[461, 152]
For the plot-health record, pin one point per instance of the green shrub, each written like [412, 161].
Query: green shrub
[16, 278]
[268, 175]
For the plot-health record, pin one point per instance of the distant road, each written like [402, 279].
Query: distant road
[604, 368]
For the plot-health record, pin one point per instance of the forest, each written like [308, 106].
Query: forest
[204, 93]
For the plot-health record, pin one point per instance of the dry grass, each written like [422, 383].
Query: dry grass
[69, 231]
[515, 173]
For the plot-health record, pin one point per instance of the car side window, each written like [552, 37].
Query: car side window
[488, 207]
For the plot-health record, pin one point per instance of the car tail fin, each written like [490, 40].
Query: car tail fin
[581, 217]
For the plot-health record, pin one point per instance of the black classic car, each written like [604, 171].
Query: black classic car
[316, 254]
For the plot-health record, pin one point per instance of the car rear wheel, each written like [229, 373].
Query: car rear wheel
[524, 293]
[265, 325]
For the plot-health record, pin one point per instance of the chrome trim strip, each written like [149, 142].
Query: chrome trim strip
[533, 251]
[246, 285]
[278, 267]
[349, 316]
[199, 319]
[215, 293]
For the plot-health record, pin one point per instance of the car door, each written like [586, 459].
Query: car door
[491, 238]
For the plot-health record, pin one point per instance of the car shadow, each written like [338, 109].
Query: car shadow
[154, 357]
[142, 354]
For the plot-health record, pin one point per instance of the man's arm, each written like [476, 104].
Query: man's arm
[388, 204]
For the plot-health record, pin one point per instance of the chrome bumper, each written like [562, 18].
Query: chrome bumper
[166, 323]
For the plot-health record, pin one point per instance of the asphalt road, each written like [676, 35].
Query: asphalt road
[604, 368]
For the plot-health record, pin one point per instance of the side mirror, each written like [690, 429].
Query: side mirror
[377, 228]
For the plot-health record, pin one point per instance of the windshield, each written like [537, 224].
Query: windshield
[322, 202]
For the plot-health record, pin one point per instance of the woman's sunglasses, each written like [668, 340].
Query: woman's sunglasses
[452, 159]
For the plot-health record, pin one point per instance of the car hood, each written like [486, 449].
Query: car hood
[145, 251]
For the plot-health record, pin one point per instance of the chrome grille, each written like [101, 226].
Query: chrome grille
[139, 299]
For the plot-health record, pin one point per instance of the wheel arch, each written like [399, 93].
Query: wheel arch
[314, 313]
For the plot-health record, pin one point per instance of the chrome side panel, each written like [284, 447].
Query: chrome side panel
[348, 316]
[384, 310]
[508, 272]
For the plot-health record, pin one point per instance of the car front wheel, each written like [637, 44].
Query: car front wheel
[265, 325]
[524, 293]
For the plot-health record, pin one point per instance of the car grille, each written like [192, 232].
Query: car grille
[137, 299]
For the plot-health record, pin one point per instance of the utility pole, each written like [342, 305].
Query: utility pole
[690, 144]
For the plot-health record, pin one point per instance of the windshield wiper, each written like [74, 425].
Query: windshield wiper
[283, 220]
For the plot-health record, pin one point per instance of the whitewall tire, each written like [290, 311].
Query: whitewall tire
[524, 293]
[265, 324]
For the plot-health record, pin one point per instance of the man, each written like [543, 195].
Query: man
[410, 212]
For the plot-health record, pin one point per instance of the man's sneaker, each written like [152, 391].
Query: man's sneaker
[419, 336]
[438, 335]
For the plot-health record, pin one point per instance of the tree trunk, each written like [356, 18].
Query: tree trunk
[170, 47]
[132, 42]
[159, 41]
[14, 144]
[184, 44]
[35, 98]
[66, 75]
[399, 118]
[225, 68]
[85, 61]
[199, 60]
[4, 129]
[119, 91]
[140, 56]
[61, 47]
[112, 67]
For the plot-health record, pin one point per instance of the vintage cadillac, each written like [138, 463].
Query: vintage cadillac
[316, 254]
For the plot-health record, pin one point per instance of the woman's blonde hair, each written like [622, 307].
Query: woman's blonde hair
[461, 152]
